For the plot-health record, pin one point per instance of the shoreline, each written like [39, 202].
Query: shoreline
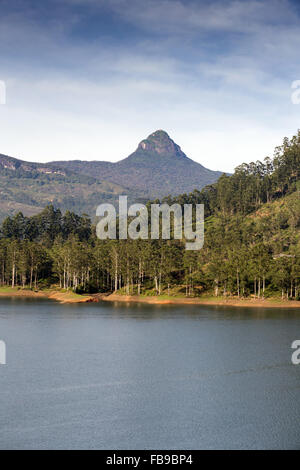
[71, 298]
[62, 297]
[260, 303]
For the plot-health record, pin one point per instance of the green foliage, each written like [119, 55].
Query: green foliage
[252, 242]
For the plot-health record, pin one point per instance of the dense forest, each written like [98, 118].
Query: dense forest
[252, 244]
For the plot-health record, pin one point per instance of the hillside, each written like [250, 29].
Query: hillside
[157, 168]
[251, 247]
[29, 187]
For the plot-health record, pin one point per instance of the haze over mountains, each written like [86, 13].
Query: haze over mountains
[156, 169]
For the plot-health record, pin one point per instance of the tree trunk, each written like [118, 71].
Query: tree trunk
[13, 273]
[216, 287]
[31, 276]
[156, 283]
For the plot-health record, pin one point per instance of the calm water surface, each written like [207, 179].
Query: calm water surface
[117, 376]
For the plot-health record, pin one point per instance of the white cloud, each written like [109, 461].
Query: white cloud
[70, 99]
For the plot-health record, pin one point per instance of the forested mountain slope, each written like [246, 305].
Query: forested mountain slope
[251, 248]
[29, 187]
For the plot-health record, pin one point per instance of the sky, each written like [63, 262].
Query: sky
[89, 79]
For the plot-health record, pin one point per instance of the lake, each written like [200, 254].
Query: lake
[136, 376]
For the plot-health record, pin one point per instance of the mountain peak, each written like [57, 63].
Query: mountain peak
[160, 143]
[159, 135]
[156, 169]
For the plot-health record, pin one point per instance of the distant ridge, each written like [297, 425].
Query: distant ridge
[157, 168]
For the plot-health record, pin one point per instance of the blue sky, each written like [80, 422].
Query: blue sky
[89, 79]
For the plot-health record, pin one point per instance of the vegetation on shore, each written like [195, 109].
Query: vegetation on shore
[70, 297]
[251, 249]
[61, 295]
